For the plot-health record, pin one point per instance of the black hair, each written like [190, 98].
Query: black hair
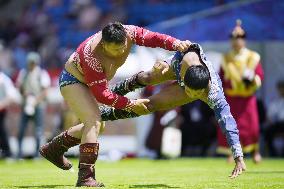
[197, 77]
[114, 33]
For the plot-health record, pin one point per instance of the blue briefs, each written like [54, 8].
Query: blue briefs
[66, 78]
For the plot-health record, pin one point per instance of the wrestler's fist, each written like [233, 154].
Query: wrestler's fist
[183, 45]
[239, 167]
[139, 106]
[161, 66]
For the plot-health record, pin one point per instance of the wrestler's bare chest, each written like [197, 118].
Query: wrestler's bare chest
[108, 64]
[99, 58]
[111, 64]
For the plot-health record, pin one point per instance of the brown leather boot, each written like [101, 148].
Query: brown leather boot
[88, 158]
[55, 149]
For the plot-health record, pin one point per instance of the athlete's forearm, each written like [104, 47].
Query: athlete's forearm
[227, 124]
[127, 85]
[147, 38]
[110, 114]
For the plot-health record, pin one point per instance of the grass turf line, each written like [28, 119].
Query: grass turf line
[193, 173]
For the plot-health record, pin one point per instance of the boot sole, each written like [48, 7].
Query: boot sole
[99, 185]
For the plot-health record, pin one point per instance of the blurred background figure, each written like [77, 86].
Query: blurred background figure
[6, 59]
[274, 133]
[33, 83]
[7, 95]
[143, 126]
[155, 139]
[198, 128]
[242, 75]
[66, 118]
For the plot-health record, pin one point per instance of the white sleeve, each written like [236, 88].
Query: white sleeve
[45, 79]
[11, 91]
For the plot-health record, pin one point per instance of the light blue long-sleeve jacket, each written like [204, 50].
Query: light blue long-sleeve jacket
[216, 99]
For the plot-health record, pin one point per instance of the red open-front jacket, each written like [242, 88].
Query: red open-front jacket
[93, 71]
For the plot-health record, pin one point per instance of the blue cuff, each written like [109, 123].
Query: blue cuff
[237, 150]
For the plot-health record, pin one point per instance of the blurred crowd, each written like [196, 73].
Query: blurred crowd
[54, 28]
[48, 27]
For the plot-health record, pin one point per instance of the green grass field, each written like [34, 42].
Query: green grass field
[138, 173]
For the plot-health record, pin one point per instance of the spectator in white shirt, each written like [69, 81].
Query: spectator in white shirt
[8, 93]
[33, 83]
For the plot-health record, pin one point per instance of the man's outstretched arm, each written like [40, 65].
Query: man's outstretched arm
[229, 128]
[160, 73]
[161, 101]
[109, 113]
[143, 37]
[127, 85]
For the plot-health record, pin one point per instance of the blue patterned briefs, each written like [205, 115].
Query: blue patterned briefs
[66, 78]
